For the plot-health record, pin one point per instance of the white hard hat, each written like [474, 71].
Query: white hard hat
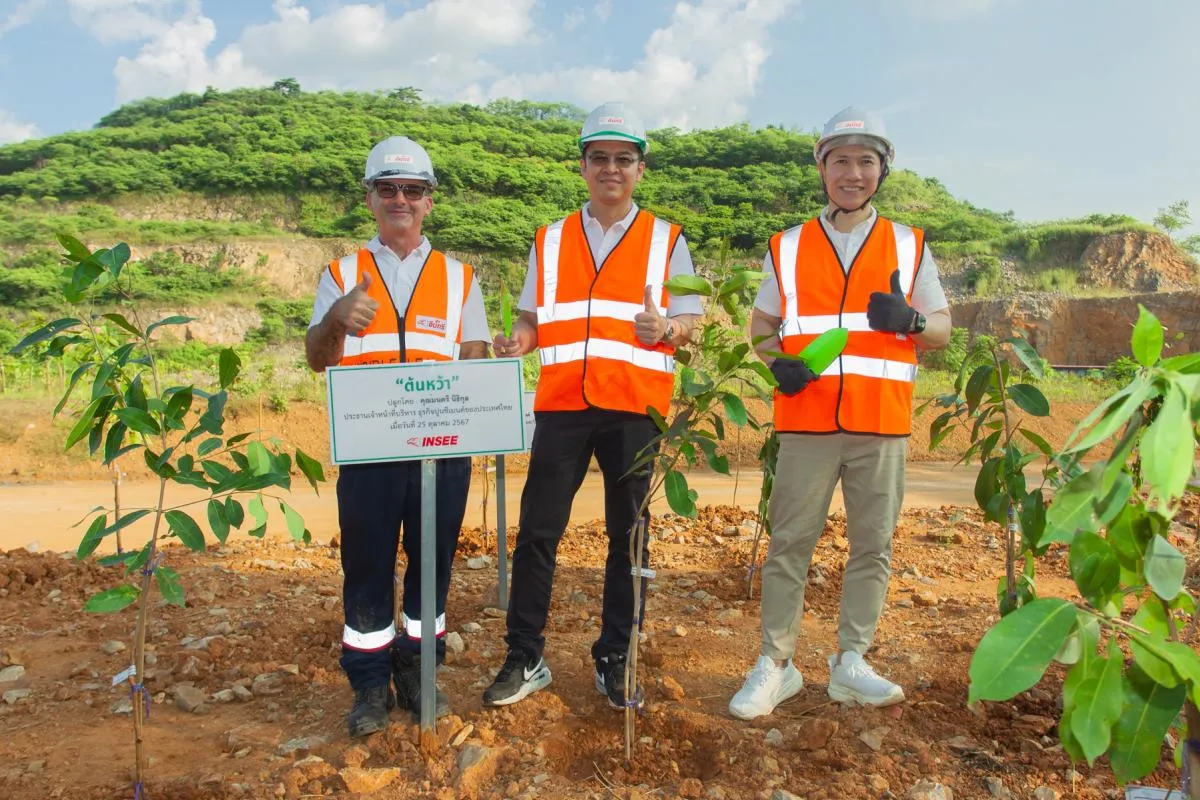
[853, 125]
[614, 122]
[399, 157]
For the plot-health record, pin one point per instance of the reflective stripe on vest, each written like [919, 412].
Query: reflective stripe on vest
[869, 388]
[589, 353]
[432, 320]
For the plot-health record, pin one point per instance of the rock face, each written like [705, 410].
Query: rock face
[1086, 330]
[1140, 261]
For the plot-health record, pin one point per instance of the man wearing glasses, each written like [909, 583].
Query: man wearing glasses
[606, 329]
[395, 300]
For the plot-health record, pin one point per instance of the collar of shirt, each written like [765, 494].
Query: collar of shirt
[421, 251]
[600, 241]
[590, 223]
[861, 228]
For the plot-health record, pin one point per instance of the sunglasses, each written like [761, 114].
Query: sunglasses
[411, 191]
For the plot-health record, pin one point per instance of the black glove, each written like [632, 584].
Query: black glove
[793, 375]
[891, 312]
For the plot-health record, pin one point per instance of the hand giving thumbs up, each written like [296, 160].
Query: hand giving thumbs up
[648, 325]
[890, 311]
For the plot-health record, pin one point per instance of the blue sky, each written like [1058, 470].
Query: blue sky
[1050, 109]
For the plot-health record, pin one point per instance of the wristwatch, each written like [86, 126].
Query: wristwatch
[918, 324]
[669, 333]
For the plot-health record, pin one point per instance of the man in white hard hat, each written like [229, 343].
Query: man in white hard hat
[848, 268]
[595, 307]
[395, 300]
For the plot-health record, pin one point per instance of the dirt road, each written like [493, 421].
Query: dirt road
[44, 514]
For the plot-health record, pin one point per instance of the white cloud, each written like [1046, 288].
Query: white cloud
[573, 19]
[21, 16]
[698, 71]
[12, 130]
[603, 10]
[118, 21]
[947, 10]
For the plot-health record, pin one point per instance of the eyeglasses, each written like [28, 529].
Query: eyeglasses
[411, 191]
[603, 160]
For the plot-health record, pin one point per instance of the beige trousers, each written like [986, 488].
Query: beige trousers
[871, 469]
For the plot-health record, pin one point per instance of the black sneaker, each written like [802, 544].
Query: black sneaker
[521, 676]
[610, 681]
[406, 675]
[370, 712]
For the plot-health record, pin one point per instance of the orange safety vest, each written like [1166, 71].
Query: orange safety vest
[590, 355]
[869, 388]
[432, 321]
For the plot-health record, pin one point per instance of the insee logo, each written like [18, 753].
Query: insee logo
[433, 441]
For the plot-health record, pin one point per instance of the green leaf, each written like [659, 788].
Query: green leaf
[76, 250]
[1169, 448]
[135, 395]
[257, 510]
[1188, 363]
[91, 539]
[735, 409]
[1097, 704]
[1147, 340]
[260, 459]
[506, 311]
[295, 522]
[1165, 568]
[1029, 357]
[681, 285]
[679, 496]
[172, 320]
[138, 420]
[1150, 656]
[83, 425]
[311, 469]
[112, 600]
[183, 526]
[1072, 508]
[1149, 710]
[1094, 567]
[217, 520]
[1030, 399]
[169, 585]
[1033, 518]
[1038, 441]
[177, 408]
[120, 321]
[229, 367]
[45, 332]
[208, 446]
[987, 483]
[1117, 416]
[977, 385]
[213, 419]
[234, 512]
[1014, 654]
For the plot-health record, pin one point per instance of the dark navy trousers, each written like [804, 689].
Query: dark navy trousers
[376, 502]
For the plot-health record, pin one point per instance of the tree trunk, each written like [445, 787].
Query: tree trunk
[1191, 751]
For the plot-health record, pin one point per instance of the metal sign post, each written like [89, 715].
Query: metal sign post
[426, 411]
[501, 539]
[428, 595]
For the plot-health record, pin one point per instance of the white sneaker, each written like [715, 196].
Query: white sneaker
[855, 681]
[766, 687]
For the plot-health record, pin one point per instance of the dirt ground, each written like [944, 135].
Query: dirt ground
[260, 638]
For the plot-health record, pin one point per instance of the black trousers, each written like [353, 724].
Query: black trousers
[563, 445]
[376, 501]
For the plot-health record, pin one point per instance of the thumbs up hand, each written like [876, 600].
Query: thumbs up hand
[355, 311]
[890, 311]
[648, 325]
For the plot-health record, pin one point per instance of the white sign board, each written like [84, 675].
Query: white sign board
[431, 409]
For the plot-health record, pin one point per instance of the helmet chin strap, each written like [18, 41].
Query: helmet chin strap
[839, 210]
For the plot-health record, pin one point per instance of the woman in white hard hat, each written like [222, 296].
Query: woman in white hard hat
[392, 302]
[854, 269]
[595, 307]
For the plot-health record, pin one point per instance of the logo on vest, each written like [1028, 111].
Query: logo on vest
[430, 324]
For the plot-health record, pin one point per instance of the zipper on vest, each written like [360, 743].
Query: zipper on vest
[837, 412]
[591, 287]
[400, 316]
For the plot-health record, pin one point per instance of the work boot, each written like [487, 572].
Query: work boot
[406, 675]
[766, 686]
[853, 680]
[370, 712]
[610, 681]
[521, 676]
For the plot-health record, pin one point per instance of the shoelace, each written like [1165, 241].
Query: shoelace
[511, 664]
[761, 677]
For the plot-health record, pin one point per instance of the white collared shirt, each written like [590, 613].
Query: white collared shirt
[400, 277]
[601, 243]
